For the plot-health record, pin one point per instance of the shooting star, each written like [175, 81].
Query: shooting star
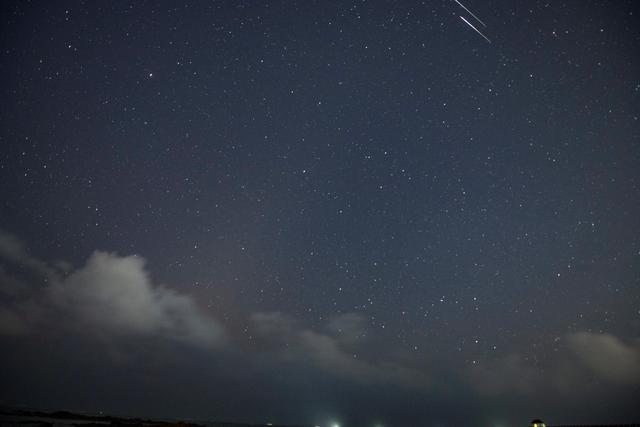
[477, 31]
[470, 13]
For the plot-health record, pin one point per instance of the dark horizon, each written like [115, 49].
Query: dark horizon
[381, 213]
[19, 416]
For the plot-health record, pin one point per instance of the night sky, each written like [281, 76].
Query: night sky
[316, 212]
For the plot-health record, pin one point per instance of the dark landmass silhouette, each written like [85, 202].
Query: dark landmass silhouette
[14, 417]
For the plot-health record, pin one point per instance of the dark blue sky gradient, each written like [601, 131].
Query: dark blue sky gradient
[369, 179]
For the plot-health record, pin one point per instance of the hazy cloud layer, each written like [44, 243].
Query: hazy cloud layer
[112, 299]
[607, 357]
[334, 352]
[584, 358]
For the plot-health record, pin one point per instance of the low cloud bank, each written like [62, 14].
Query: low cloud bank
[335, 352]
[586, 359]
[113, 296]
[607, 357]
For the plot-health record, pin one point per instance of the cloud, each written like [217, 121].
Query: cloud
[332, 353]
[273, 324]
[607, 357]
[111, 295]
[586, 357]
[115, 293]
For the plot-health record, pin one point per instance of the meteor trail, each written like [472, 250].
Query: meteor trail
[470, 13]
[477, 31]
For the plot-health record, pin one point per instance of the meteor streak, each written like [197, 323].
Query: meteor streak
[476, 30]
[470, 13]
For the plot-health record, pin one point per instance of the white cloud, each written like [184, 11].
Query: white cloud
[111, 294]
[115, 293]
